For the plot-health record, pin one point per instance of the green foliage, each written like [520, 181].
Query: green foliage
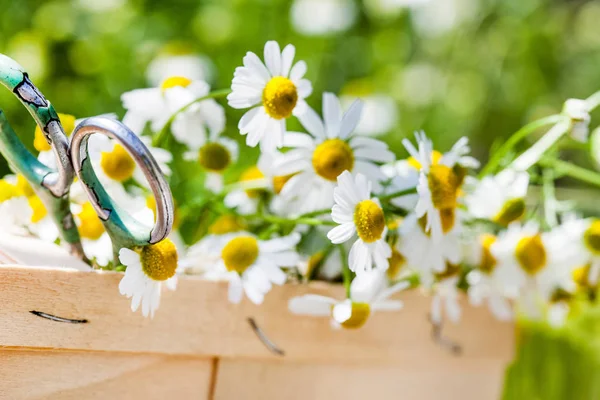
[557, 363]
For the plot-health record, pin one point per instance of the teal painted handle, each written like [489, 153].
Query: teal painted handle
[52, 186]
[124, 230]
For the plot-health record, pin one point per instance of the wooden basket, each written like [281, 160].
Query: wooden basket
[199, 346]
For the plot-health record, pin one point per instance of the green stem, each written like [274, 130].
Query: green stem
[162, 134]
[549, 197]
[292, 221]
[574, 171]
[593, 101]
[516, 137]
[346, 273]
[316, 213]
[398, 194]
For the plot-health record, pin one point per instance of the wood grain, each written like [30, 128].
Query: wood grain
[197, 320]
[460, 380]
[68, 375]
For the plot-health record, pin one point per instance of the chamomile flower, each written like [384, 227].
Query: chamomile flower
[251, 265]
[214, 156]
[316, 160]
[484, 285]
[368, 293]
[147, 269]
[274, 91]
[424, 254]
[358, 213]
[253, 186]
[116, 164]
[584, 234]
[325, 265]
[94, 238]
[531, 264]
[499, 198]
[445, 296]
[579, 112]
[403, 176]
[439, 183]
[157, 105]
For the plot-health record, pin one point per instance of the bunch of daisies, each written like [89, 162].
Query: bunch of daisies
[324, 202]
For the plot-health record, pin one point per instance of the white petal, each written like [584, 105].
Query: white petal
[351, 118]
[273, 57]
[311, 304]
[341, 233]
[287, 57]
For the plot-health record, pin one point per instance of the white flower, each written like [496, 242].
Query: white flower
[579, 112]
[445, 297]
[379, 114]
[584, 237]
[439, 183]
[322, 17]
[500, 198]
[403, 176]
[146, 271]
[324, 265]
[425, 255]
[157, 105]
[484, 284]
[274, 92]
[358, 213]
[94, 239]
[531, 265]
[215, 156]
[251, 265]
[316, 161]
[368, 293]
[195, 67]
[253, 186]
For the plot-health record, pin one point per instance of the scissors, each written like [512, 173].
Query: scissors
[53, 185]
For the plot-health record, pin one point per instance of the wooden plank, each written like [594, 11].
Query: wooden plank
[268, 380]
[68, 375]
[198, 320]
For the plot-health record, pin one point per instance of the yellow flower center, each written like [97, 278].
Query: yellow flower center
[450, 271]
[240, 253]
[226, 224]
[39, 140]
[174, 81]
[359, 316]
[280, 181]
[531, 254]
[331, 158]
[8, 191]
[252, 174]
[443, 185]
[581, 276]
[214, 157]
[24, 187]
[488, 261]
[90, 224]
[512, 210]
[435, 158]
[159, 261]
[280, 97]
[397, 261]
[117, 164]
[369, 221]
[591, 237]
[39, 210]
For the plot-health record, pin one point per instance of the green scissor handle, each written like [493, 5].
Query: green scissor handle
[124, 230]
[52, 186]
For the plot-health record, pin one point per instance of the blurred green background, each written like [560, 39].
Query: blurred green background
[480, 68]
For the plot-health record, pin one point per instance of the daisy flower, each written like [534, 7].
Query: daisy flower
[273, 91]
[168, 64]
[531, 265]
[584, 234]
[425, 255]
[499, 198]
[439, 182]
[251, 265]
[157, 105]
[214, 156]
[316, 160]
[403, 176]
[147, 269]
[484, 285]
[358, 213]
[445, 296]
[368, 293]
[94, 238]
[253, 186]
[326, 265]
